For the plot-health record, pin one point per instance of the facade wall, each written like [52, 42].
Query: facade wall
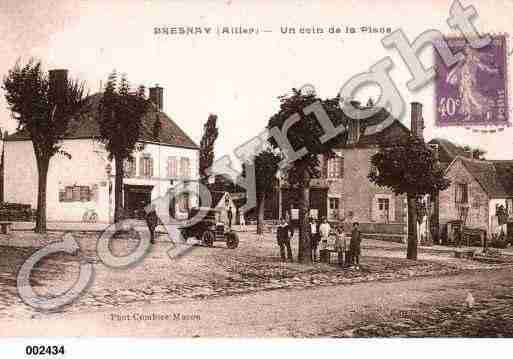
[20, 173]
[478, 212]
[87, 168]
[361, 197]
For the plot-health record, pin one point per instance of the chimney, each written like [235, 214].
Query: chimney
[157, 96]
[58, 80]
[417, 121]
[436, 151]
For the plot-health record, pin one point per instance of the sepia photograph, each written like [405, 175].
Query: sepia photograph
[239, 169]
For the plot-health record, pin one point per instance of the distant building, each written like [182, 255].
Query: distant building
[478, 188]
[81, 188]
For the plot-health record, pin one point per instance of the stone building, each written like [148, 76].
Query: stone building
[344, 190]
[478, 188]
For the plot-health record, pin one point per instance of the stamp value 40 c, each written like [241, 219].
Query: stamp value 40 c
[473, 92]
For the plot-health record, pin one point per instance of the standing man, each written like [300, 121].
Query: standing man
[354, 245]
[230, 216]
[313, 229]
[348, 228]
[152, 221]
[283, 234]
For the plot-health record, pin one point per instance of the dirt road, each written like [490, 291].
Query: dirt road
[282, 313]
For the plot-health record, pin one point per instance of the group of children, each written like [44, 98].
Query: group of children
[348, 255]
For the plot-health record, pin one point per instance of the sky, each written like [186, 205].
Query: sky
[238, 77]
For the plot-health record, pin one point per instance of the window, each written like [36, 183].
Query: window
[185, 170]
[129, 168]
[75, 194]
[336, 167]
[85, 193]
[183, 203]
[384, 210]
[461, 193]
[334, 203]
[146, 167]
[172, 167]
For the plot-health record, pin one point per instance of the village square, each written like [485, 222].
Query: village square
[334, 214]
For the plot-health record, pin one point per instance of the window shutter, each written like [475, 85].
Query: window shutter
[150, 160]
[141, 166]
[187, 171]
[374, 209]
[132, 168]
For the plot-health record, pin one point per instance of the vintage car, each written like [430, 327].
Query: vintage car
[209, 228]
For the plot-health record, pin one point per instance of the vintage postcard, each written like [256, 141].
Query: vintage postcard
[247, 169]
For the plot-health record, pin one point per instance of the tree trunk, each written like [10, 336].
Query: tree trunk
[304, 245]
[260, 214]
[42, 169]
[118, 191]
[436, 219]
[411, 252]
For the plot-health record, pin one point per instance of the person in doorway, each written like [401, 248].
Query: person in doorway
[354, 245]
[229, 213]
[152, 221]
[283, 234]
[242, 221]
[313, 229]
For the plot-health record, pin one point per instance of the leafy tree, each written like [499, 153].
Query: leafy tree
[43, 109]
[121, 124]
[408, 166]
[210, 133]
[306, 133]
[266, 166]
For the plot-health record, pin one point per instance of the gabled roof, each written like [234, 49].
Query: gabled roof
[374, 129]
[452, 150]
[86, 126]
[495, 177]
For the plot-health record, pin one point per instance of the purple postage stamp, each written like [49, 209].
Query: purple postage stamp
[473, 92]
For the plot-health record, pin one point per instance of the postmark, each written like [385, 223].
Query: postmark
[473, 92]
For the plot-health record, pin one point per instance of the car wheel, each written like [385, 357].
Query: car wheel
[208, 238]
[232, 240]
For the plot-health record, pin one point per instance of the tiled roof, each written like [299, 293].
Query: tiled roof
[447, 151]
[86, 126]
[504, 170]
[373, 129]
[494, 176]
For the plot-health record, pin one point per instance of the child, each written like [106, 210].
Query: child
[340, 245]
[242, 221]
[324, 230]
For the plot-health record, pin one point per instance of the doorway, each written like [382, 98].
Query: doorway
[136, 198]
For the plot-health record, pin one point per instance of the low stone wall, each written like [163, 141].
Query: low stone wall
[384, 228]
